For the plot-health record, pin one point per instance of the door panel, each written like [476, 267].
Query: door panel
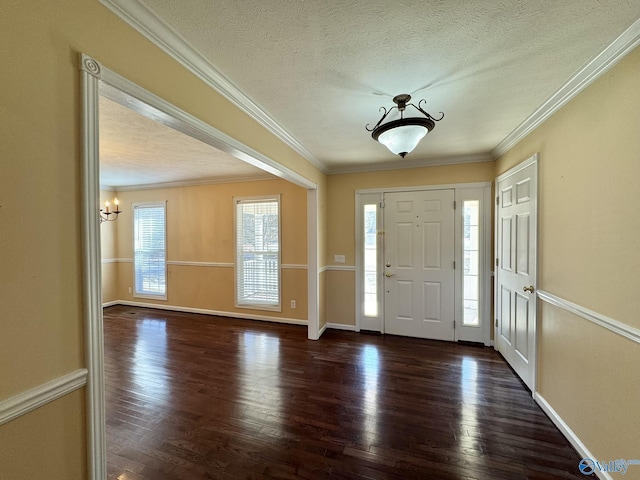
[419, 274]
[516, 272]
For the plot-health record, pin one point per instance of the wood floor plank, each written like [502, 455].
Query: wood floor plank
[202, 397]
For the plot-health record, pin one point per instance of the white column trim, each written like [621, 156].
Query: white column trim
[91, 73]
[27, 401]
[313, 285]
[627, 331]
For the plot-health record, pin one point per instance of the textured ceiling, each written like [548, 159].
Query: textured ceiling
[135, 150]
[322, 69]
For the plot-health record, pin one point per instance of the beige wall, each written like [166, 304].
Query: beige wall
[41, 303]
[340, 284]
[589, 223]
[200, 229]
[342, 190]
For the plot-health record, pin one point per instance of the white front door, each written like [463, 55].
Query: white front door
[418, 264]
[516, 222]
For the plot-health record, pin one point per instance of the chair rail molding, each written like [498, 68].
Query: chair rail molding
[27, 401]
[610, 324]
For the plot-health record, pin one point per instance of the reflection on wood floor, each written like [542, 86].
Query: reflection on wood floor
[200, 397]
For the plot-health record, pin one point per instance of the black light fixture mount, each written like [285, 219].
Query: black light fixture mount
[403, 135]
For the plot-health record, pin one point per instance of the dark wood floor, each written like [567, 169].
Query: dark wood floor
[201, 397]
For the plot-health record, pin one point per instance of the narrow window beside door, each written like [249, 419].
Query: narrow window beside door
[150, 266]
[370, 260]
[258, 253]
[471, 259]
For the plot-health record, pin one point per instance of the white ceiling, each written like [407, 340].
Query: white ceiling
[320, 70]
[137, 151]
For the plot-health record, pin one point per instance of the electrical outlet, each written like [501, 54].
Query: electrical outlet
[293, 304]
[338, 258]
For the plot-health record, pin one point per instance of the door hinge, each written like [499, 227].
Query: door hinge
[454, 264]
[381, 203]
[455, 205]
[496, 322]
[497, 262]
[454, 324]
[497, 200]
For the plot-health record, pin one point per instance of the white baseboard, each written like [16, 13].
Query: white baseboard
[248, 316]
[569, 434]
[25, 402]
[322, 330]
[341, 326]
[110, 304]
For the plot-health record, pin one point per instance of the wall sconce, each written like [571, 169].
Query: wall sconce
[106, 214]
[402, 136]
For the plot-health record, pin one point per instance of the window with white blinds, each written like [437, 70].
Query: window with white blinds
[149, 248]
[258, 253]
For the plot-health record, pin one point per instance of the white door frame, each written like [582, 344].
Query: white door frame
[369, 193]
[96, 80]
[533, 160]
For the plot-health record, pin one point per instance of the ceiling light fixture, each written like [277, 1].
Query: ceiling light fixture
[105, 215]
[403, 135]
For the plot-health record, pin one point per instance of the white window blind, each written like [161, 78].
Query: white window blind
[258, 253]
[149, 234]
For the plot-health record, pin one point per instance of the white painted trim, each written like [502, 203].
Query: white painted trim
[110, 304]
[313, 280]
[580, 80]
[627, 331]
[117, 260]
[150, 25]
[25, 402]
[339, 268]
[200, 264]
[402, 164]
[122, 91]
[288, 266]
[513, 170]
[219, 313]
[322, 330]
[569, 434]
[340, 326]
[294, 266]
[91, 72]
[418, 188]
[193, 183]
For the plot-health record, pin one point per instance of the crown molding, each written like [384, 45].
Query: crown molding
[400, 164]
[585, 76]
[149, 24]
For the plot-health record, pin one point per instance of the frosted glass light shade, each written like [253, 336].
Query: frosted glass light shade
[403, 139]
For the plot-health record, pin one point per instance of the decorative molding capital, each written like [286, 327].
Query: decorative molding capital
[91, 66]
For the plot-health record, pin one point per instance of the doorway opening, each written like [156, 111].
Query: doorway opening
[98, 81]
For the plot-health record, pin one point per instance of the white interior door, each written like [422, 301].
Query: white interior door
[516, 222]
[418, 264]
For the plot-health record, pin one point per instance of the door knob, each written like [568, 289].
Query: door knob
[528, 289]
[388, 274]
